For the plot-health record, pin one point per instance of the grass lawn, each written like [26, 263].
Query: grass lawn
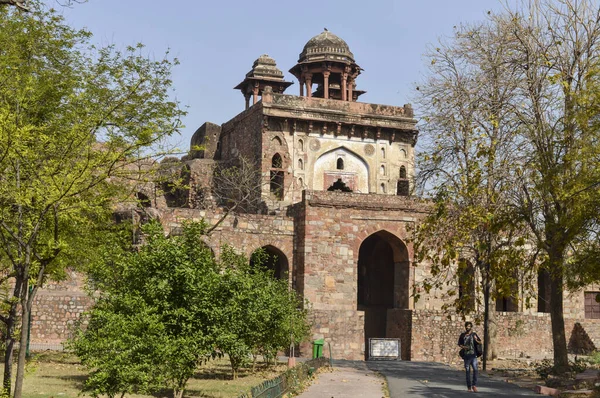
[58, 375]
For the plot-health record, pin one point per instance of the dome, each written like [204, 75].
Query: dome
[324, 46]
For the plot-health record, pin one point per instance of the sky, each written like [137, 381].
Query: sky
[216, 42]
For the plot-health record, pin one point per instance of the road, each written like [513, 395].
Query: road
[425, 379]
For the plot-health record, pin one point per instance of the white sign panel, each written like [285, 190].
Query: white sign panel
[384, 348]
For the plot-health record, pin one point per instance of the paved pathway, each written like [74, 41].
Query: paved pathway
[426, 379]
[351, 379]
[405, 379]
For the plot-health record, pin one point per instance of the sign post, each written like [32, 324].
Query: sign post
[384, 349]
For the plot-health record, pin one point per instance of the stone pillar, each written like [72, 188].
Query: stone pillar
[302, 85]
[247, 98]
[326, 84]
[255, 94]
[344, 87]
[350, 90]
[308, 78]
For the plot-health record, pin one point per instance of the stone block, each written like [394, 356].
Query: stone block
[543, 390]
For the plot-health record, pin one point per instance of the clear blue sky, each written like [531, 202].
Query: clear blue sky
[217, 41]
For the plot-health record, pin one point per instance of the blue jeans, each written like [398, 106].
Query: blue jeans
[471, 362]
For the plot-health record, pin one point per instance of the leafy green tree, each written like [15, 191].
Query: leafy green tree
[260, 313]
[72, 118]
[165, 309]
[155, 319]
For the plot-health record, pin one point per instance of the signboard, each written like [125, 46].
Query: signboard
[380, 348]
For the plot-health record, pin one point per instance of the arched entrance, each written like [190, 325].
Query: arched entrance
[275, 260]
[383, 280]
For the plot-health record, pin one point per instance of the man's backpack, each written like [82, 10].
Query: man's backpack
[478, 348]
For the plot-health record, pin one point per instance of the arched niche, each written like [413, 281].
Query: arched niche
[355, 172]
[275, 261]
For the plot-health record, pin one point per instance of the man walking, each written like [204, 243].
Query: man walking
[466, 342]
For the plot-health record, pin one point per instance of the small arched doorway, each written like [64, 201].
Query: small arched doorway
[274, 260]
[383, 281]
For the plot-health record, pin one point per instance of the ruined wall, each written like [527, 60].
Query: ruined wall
[206, 137]
[242, 135]
[56, 309]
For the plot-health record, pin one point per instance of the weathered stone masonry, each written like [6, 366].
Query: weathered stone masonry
[337, 214]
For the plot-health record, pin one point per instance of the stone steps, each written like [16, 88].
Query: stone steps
[585, 337]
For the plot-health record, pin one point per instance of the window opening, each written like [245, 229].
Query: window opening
[276, 161]
[402, 172]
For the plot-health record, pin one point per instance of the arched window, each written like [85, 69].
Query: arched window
[300, 183]
[403, 172]
[300, 164]
[382, 170]
[382, 188]
[402, 153]
[301, 145]
[277, 140]
[276, 161]
[383, 153]
[340, 164]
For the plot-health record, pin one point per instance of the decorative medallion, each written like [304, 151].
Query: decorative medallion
[315, 145]
[369, 150]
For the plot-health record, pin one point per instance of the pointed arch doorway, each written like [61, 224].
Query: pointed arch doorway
[275, 260]
[383, 284]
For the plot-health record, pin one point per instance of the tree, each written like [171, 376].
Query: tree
[470, 137]
[72, 117]
[261, 314]
[24, 6]
[550, 184]
[165, 309]
[156, 317]
[556, 48]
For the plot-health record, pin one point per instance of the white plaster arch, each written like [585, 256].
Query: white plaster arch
[354, 167]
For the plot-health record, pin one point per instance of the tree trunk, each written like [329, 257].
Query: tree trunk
[493, 330]
[25, 309]
[486, 318]
[11, 322]
[8, 352]
[559, 339]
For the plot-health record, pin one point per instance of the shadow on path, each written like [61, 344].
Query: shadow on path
[427, 379]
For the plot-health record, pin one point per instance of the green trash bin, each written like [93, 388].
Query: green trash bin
[318, 348]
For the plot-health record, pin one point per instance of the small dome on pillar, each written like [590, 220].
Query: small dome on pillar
[326, 69]
[264, 73]
[265, 67]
